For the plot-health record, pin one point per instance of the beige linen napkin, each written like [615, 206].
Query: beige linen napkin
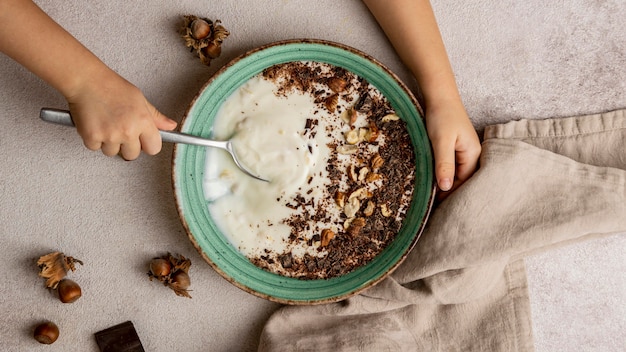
[463, 287]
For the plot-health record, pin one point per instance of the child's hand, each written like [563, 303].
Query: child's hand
[419, 44]
[111, 114]
[455, 143]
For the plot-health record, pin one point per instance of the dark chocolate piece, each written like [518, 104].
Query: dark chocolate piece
[119, 338]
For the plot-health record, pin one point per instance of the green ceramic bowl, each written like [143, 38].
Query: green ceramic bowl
[189, 165]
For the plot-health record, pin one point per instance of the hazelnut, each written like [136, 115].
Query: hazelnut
[160, 267]
[340, 198]
[180, 280]
[345, 117]
[346, 224]
[390, 117]
[46, 333]
[213, 50]
[376, 162]
[327, 236]
[361, 194]
[373, 132]
[352, 173]
[363, 173]
[353, 116]
[369, 208]
[364, 134]
[352, 137]
[69, 291]
[352, 207]
[373, 177]
[331, 102]
[384, 209]
[200, 29]
[349, 116]
[337, 84]
[347, 149]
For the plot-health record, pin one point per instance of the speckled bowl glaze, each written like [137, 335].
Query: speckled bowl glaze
[189, 165]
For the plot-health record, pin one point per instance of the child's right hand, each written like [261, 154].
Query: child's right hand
[112, 115]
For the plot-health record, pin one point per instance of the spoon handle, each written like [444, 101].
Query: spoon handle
[177, 137]
[60, 117]
[63, 117]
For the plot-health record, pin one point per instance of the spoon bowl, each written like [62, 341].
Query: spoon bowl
[177, 137]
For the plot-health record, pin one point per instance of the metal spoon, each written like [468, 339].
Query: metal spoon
[63, 117]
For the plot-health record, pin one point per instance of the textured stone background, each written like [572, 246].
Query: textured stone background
[513, 59]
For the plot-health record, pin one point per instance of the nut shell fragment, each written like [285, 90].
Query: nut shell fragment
[54, 267]
[364, 134]
[356, 226]
[347, 149]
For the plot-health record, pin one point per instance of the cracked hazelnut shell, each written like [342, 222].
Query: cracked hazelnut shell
[54, 266]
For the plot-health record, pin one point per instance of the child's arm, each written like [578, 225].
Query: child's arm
[109, 112]
[411, 27]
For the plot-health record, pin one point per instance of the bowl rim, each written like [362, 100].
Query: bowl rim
[211, 262]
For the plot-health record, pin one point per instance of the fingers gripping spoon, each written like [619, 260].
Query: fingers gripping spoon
[63, 117]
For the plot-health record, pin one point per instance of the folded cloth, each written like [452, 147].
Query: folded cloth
[541, 183]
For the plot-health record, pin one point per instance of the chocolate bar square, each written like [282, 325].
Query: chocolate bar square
[119, 338]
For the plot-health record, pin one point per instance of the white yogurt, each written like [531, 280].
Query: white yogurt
[270, 138]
